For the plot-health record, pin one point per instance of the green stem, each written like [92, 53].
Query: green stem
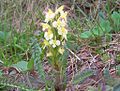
[57, 67]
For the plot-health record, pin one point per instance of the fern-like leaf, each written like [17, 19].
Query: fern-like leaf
[80, 77]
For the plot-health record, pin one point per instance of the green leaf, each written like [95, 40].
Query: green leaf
[116, 20]
[80, 77]
[36, 57]
[22, 65]
[97, 32]
[86, 34]
[104, 26]
[116, 17]
[30, 64]
[20, 47]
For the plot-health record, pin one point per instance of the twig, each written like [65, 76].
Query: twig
[74, 54]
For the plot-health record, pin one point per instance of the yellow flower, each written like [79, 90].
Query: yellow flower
[49, 15]
[63, 23]
[63, 16]
[46, 43]
[63, 42]
[59, 10]
[54, 43]
[48, 35]
[45, 26]
[61, 50]
[62, 31]
[59, 23]
[49, 54]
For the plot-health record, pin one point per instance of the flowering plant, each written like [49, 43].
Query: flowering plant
[55, 35]
[55, 31]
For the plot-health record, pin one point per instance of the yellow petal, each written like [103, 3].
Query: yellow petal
[60, 9]
[61, 50]
[64, 31]
[45, 26]
[46, 42]
[61, 23]
[49, 15]
[49, 54]
[64, 15]
[50, 11]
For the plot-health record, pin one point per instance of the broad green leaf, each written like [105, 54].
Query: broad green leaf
[86, 34]
[22, 65]
[116, 17]
[102, 28]
[104, 25]
[97, 32]
[116, 20]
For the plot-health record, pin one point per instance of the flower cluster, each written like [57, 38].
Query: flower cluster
[54, 27]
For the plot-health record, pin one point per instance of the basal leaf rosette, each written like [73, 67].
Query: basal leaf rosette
[55, 31]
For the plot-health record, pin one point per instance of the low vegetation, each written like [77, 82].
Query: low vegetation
[59, 45]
